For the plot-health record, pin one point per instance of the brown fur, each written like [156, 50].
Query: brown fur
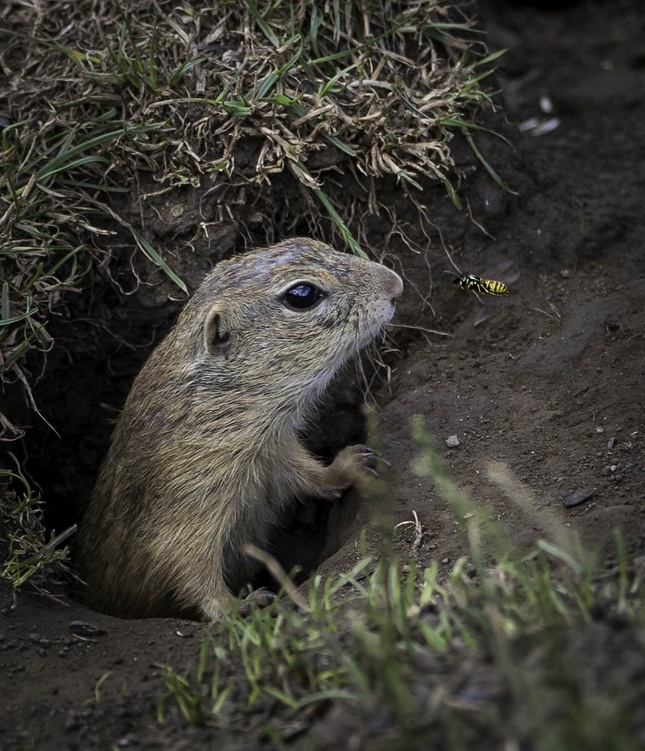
[206, 453]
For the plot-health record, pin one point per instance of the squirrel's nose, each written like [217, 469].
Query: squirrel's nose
[397, 285]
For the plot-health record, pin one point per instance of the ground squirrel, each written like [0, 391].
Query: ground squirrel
[207, 454]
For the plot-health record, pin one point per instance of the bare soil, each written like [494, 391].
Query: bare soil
[548, 379]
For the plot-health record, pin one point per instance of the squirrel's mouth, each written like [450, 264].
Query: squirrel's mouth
[383, 316]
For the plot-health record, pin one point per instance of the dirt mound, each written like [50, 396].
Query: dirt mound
[547, 380]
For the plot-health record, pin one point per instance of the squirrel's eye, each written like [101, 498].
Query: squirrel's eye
[302, 296]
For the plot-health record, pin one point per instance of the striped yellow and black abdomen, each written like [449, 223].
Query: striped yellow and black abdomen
[479, 284]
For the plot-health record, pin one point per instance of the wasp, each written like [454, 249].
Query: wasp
[479, 284]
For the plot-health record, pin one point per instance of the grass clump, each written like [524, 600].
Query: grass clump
[50, 192]
[507, 650]
[32, 556]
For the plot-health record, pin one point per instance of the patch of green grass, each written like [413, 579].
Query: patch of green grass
[495, 652]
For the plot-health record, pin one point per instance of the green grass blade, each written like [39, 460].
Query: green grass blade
[261, 22]
[486, 165]
[156, 258]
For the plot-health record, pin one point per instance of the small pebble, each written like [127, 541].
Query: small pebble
[452, 442]
[81, 628]
[580, 496]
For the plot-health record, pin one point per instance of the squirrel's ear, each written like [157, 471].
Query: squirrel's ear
[216, 333]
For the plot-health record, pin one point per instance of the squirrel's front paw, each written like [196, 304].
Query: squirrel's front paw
[357, 458]
[347, 467]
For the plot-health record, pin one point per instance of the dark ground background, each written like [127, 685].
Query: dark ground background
[548, 379]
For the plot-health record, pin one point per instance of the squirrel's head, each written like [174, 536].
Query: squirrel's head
[282, 321]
